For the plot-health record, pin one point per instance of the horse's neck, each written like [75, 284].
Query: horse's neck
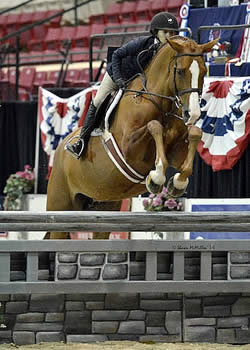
[157, 72]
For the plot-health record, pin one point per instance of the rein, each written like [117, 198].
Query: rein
[175, 98]
[151, 95]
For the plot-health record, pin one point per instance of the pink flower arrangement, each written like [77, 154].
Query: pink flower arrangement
[161, 202]
[16, 186]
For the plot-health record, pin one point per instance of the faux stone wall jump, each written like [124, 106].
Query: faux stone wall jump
[159, 317]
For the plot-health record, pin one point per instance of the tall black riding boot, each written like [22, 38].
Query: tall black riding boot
[88, 126]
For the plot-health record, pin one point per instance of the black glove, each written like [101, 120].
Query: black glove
[120, 83]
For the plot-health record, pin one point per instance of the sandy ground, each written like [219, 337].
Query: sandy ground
[126, 345]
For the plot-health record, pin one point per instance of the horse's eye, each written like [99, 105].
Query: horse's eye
[181, 72]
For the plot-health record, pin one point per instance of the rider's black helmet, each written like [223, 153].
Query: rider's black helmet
[164, 21]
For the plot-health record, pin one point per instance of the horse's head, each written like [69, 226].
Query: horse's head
[186, 71]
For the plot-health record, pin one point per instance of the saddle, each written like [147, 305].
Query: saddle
[107, 109]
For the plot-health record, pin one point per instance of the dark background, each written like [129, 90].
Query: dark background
[17, 144]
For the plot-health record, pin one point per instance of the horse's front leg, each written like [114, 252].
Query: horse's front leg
[156, 178]
[141, 144]
[178, 183]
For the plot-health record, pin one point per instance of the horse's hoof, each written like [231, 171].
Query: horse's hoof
[152, 187]
[172, 191]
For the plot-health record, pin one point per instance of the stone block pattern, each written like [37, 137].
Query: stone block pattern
[131, 266]
[239, 265]
[125, 266]
[91, 266]
[160, 317]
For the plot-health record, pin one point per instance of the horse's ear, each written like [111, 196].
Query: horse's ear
[176, 46]
[208, 46]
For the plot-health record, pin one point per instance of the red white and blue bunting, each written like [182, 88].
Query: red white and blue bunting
[60, 116]
[225, 121]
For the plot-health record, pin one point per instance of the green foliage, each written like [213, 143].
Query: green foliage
[16, 186]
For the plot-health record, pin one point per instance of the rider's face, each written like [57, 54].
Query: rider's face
[164, 34]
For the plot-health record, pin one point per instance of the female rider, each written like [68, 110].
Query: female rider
[124, 66]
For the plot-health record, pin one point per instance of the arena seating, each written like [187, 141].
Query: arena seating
[52, 39]
[128, 11]
[78, 54]
[8, 87]
[12, 22]
[113, 13]
[82, 79]
[38, 35]
[82, 35]
[52, 79]
[42, 44]
[143, 11]
[53, 33]
[10, 77]
[40, 15]
[158, 6]
[97, 15]
[67, 33]
[25, 37]
[51, 56]
[173, 6]
[26, 18]
[39, 80]
[71, 77]
[97, 29]
[3, 20]
[54, 22]
[26, 77]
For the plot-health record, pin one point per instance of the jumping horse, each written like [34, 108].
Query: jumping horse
[152, 128]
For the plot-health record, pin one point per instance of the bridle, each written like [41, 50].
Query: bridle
[185, 91]
[176, 98]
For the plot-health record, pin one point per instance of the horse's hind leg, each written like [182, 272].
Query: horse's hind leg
[178, 183]
[156, 178]
[58, 199]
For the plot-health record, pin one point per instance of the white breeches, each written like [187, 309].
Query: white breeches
[106, 87]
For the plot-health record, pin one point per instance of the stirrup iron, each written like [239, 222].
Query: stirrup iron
[66, 147]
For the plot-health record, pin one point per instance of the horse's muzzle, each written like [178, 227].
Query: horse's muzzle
[185, 116]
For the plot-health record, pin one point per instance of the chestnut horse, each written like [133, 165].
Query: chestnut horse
[153, 127]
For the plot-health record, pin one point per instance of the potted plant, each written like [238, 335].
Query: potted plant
[17, 185]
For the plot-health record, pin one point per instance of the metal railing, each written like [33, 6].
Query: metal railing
[17, 34]
[230, 27]
[9, 9]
